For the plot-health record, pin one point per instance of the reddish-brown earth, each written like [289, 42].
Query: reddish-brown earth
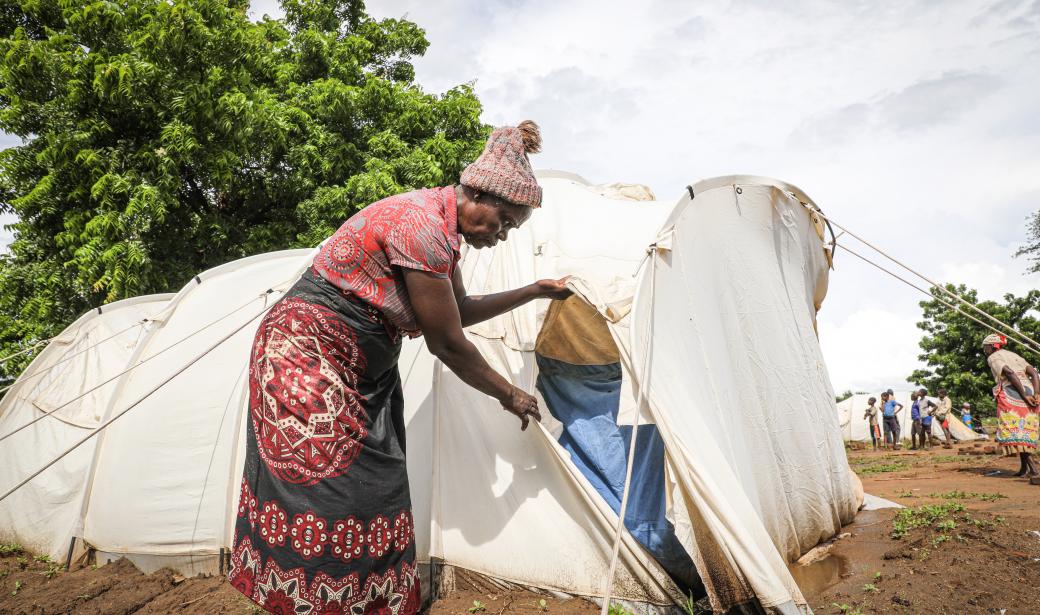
[979, 556]
[982, 559]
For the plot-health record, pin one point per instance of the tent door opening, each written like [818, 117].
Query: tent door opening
[579, 376]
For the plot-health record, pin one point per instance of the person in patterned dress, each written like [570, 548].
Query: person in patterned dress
[324, 520]
[1018, 383]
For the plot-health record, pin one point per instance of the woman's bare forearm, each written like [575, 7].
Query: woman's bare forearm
[466, 362]
[478, 308]
[1015, 382]
[1034, 378]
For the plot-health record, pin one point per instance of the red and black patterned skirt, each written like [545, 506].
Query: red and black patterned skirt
[324, 520]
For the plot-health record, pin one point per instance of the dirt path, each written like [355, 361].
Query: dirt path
[33, 586]
[965, 546]
[966, 543]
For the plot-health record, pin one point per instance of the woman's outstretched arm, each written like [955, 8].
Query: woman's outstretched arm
[478, 308]
[437, 315]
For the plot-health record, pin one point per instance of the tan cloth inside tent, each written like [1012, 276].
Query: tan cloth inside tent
[574, 332]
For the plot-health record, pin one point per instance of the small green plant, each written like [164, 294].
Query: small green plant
[968, 495]
[43, 559]
[543, 605]
[946, 525]
[909, 518]
[617, 609]
[941, 538]
[846, 609]
[17, 586]
[689, 605]
[53, 568]
[877, 577]
[870, 587]
[906, 493]
[478, 607]
[23, 562]
[10, 548]
[882, 468]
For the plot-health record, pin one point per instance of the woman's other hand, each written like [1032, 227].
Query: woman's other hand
[1032, 401]
[523, 406]
[553, 289]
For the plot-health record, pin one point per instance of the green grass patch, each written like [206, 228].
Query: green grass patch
[923, 516]
[882, 468]
[11, 548]
[968, 495]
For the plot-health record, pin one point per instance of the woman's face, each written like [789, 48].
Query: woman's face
[988, 349]
[485, 220]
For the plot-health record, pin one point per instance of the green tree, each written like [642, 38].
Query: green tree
[952, 345]
[164, 137]
[1031, 249]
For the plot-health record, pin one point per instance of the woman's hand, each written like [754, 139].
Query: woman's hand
[553, 289]
[523, 406]
[1032, 401]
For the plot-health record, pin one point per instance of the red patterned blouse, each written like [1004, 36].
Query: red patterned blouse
[415, 230]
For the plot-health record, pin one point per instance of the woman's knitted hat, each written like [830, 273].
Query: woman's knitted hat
[504, 169]
[994, 339]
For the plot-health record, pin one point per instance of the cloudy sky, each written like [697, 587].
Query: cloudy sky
[913, 123]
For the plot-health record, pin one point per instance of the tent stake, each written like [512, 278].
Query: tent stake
[68, 556]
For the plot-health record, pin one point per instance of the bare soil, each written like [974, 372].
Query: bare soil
[29, 586]
[987, 561]
[979, 553]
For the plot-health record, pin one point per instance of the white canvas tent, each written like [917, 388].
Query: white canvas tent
[712, 303]
[854, 427]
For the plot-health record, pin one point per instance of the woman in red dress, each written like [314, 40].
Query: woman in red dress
[324, 521]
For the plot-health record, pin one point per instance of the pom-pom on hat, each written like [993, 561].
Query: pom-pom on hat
[504, 169]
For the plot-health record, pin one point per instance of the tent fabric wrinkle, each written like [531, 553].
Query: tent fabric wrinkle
[709, 303]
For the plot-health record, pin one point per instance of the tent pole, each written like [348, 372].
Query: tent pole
[608, 584]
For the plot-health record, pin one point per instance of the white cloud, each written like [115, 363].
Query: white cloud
[914, 123]
[869, 350]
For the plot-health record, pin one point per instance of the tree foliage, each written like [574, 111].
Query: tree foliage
[1031, 249]
[164, 137]
[952, 345]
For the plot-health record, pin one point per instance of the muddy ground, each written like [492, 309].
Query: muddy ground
[969, 542]
[35, 586]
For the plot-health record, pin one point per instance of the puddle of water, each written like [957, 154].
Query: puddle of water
[820, 575]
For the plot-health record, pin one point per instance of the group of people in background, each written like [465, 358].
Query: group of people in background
[923, 412]
[1017, 396]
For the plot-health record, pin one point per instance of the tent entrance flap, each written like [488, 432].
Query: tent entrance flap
[579, 377]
